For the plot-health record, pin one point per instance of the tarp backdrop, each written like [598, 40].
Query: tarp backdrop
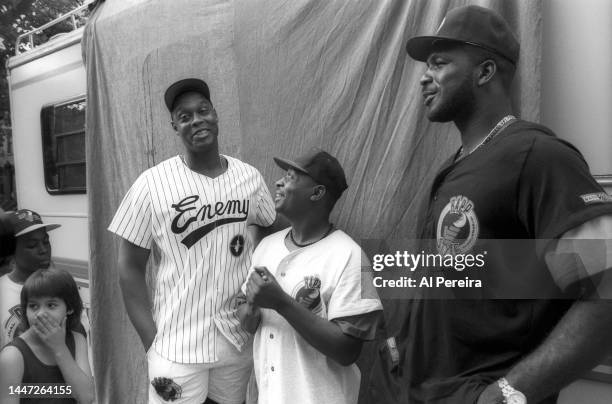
[284, 76]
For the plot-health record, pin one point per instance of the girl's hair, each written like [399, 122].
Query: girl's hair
[52, 282]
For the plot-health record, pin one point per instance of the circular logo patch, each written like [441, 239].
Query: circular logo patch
[237, 245]
[458, 227]
[308, 293]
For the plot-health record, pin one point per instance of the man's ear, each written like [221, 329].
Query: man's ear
[174, 126]
[486, 71]
[318, 193]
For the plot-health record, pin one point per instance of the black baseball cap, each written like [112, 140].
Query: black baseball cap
[320, 166]
[183, 86]
[25, 221]
[471, 25]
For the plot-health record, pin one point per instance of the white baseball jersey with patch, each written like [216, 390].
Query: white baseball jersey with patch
[326, 278]
[10, 310]
[200, 225]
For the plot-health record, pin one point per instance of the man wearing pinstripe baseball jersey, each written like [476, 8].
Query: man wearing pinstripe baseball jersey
[196, 208]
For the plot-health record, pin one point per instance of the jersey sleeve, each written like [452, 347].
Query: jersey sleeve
[361, 326]
[583, 257]
[556, 191]
[265, 212]
[256, 260]
[132, 221]
[354, 293]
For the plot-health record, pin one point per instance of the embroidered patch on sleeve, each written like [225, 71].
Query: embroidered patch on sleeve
[596, 198]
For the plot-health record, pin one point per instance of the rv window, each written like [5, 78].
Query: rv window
[63, 135]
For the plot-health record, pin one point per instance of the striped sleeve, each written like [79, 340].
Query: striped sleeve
[132, 220]
[265, 213]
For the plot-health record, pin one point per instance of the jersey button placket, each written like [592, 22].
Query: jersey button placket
[282, 267]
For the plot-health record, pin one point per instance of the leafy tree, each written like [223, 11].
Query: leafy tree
[20, 16]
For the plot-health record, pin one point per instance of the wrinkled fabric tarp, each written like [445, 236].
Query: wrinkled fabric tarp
[284, 76]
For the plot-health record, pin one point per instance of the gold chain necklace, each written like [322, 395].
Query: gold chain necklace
[494, 132]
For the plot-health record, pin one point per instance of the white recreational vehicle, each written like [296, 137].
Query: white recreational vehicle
[47, 93]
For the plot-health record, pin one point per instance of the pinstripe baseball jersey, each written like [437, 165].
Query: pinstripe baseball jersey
[200, 225]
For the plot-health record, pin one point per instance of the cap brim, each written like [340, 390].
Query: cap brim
[287, 164]
[29, 229]
[420, 47]
[184, 86]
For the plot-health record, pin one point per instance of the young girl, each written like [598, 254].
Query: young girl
[48, 351]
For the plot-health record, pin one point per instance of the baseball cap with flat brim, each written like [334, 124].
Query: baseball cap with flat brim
[185, 86]
[25, 221]
[470, 25]
[321, 166]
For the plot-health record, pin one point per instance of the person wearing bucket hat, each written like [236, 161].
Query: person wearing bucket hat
[32, 251]
[305, 298]
[510, 179]
[199, 208]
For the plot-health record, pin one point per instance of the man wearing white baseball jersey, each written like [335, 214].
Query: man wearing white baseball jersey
[196, 208]
[307, 300]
